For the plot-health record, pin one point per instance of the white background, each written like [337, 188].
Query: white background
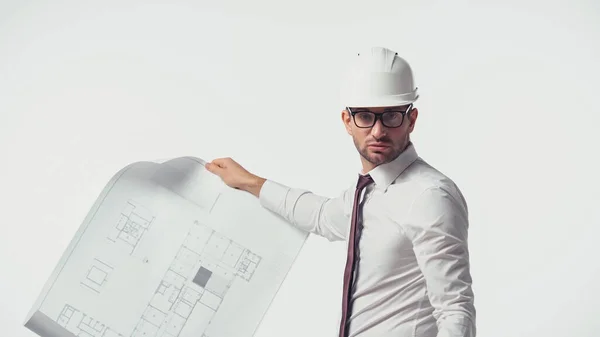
[508, 110]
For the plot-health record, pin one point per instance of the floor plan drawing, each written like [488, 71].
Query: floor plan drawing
[82, 325]
[196, 282]
[96, 276]
[167, 250]
[134, 220]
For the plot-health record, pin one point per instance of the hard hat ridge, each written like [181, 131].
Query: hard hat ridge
[382, 58]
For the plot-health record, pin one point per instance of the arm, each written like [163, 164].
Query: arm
[438, 227]
[323, 216]
[327, 217]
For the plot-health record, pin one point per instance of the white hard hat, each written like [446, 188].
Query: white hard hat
[378, 77]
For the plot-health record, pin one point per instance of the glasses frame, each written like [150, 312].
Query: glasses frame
[379, 116]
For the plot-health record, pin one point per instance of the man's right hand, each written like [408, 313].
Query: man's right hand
[235, 176]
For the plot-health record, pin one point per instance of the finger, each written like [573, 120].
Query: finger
[212, 167]
[220, 162]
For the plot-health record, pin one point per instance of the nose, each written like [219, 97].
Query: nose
[378, 130]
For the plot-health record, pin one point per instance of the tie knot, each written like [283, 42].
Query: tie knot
[363, 181]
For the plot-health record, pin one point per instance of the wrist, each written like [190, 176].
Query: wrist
[254, 185]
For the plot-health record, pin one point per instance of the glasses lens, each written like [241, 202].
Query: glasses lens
[364, 119]
[392, 119]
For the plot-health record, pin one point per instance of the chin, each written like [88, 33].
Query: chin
[377, 158]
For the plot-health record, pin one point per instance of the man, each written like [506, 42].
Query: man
[408, 272]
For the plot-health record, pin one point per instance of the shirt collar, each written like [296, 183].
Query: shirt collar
[385, 174]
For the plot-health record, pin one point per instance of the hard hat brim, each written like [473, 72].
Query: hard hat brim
[385, 101]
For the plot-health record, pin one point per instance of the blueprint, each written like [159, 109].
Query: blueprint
[168, 250]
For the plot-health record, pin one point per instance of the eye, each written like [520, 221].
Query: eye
[364, 115]
[392, 115]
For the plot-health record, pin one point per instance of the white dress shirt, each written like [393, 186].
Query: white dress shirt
[413, 277]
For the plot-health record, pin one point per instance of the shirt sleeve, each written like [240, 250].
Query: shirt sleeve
[438, 227]
[323, 216]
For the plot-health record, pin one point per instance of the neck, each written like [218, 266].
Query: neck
[367, 165]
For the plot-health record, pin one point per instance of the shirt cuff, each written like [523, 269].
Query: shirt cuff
[272, 195]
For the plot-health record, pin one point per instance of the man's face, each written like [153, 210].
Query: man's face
[379, 144]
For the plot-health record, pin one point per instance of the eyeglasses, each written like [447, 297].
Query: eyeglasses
[390, 118]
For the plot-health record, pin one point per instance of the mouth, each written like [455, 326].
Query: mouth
[378, 146]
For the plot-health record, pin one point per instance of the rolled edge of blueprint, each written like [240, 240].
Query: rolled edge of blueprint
[167, 250]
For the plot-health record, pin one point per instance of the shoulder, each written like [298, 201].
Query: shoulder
[422, 180]
[423, 193]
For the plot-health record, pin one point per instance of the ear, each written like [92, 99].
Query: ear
[412, 118]
[347, 120]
